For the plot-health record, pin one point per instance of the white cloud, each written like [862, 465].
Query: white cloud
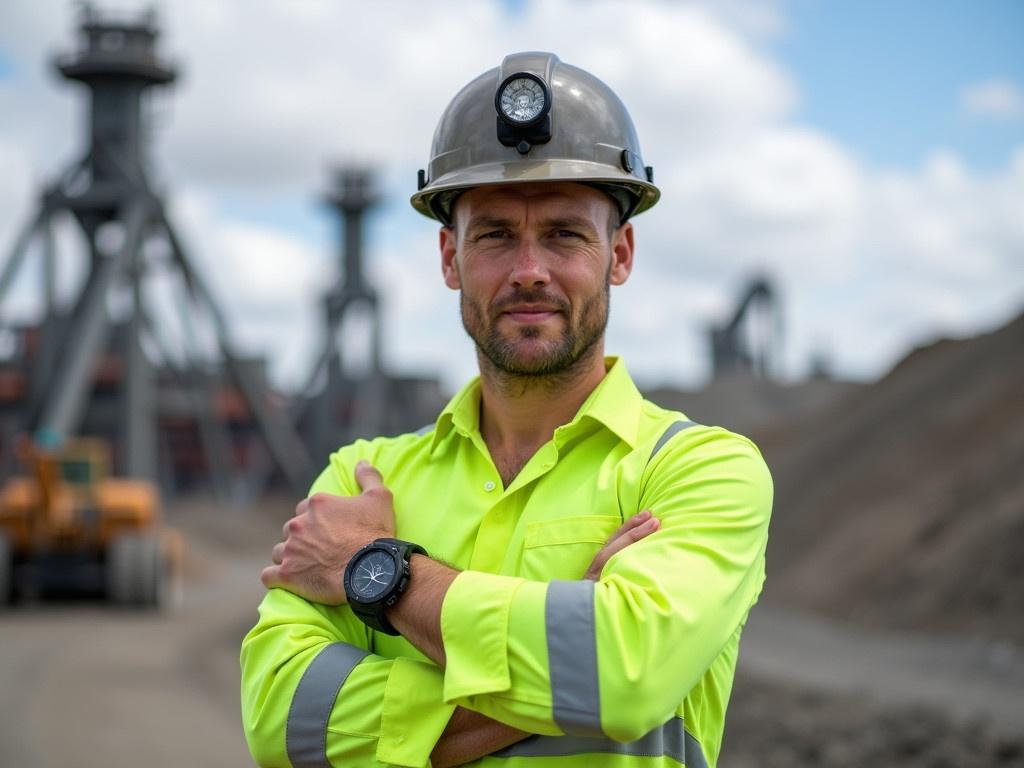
[996, 98]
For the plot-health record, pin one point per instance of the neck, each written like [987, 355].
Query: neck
[520, 413]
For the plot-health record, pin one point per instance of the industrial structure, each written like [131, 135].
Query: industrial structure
[748, 342]
[102, 365]
[348, 393]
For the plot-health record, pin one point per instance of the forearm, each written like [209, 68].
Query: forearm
[385, 711]
[469, 736]
[418, 613]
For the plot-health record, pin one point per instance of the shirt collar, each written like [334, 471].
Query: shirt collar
[614, 404]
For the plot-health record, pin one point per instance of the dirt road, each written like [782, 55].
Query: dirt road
[87, 686]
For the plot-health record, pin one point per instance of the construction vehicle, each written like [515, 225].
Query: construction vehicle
[68, 527]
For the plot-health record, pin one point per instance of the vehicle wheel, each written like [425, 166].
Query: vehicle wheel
[135, 570]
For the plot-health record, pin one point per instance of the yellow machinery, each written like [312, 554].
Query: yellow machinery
[71, 527]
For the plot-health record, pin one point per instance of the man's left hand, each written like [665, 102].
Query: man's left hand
[324, 535]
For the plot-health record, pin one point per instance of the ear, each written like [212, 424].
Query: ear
[622, 254]
[447, 242]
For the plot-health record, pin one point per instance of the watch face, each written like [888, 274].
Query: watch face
[373, 574]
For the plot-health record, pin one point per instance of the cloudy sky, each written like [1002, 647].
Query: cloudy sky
[868, 156]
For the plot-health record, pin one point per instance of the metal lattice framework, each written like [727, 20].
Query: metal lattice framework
[109, 195]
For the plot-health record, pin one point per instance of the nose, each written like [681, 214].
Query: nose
[528, 269]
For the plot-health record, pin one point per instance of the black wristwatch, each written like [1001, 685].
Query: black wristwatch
[376, 576]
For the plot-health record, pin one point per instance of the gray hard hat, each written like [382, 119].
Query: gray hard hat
[535, 118]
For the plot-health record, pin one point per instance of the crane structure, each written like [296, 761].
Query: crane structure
[748, 341]
[80, 351]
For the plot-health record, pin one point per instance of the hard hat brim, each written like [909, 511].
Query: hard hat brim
[529, 171]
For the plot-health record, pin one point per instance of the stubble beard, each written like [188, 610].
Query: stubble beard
[567, 356]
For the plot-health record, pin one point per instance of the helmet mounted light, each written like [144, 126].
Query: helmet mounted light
[563, 123]
[523, 104]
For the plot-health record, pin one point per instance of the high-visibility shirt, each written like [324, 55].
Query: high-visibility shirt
[633, 670]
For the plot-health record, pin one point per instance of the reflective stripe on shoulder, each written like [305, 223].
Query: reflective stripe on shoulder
[306, 734]
[572, 657]
[673, 429]
[668, 740]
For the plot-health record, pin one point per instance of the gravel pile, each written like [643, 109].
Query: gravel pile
[904, 505]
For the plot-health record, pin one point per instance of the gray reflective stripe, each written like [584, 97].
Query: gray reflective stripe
[673, 429]
[426, 429]
[306, 734]
[668, 740]
[572, 657]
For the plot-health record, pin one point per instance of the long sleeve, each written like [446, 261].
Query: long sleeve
[615, 658]
[314, 695]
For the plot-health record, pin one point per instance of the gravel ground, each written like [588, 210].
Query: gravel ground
[777, 726]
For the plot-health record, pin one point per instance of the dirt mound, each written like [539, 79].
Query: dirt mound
[904, 504]
[775, 726]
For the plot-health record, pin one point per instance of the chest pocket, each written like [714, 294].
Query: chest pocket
[563, 549]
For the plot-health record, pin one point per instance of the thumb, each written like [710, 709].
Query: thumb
[368, 477]
[271, 576]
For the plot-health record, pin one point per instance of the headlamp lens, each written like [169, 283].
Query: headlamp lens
[522, 100]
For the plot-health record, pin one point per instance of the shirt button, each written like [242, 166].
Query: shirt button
[489, 486]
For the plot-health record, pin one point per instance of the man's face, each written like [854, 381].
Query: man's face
[534, 263]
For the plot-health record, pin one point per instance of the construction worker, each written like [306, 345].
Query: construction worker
[556, 571]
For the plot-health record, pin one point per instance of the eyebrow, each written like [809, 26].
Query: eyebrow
[560, 222]
[486, 222]
[556, 222]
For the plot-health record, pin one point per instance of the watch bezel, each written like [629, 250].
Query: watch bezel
[400, 572]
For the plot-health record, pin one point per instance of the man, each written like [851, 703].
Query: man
[557, 570]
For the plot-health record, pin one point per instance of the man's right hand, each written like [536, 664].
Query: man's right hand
[469, 734]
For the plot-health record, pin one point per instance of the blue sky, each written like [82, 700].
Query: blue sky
[869, 155]
[884, 77]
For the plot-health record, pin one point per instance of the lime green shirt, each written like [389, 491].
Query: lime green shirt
[634, 670]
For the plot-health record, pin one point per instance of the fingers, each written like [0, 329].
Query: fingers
[646, 527]
[368, 477]
[637, 527]
[635, 520]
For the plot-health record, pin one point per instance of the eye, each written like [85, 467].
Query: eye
[563, 234]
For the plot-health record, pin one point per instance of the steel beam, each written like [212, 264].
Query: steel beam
[201, 385]
[18, 251]
[287, 450]
[47, 353]
[65, 401]
[139, 414]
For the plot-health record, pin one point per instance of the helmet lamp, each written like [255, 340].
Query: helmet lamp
[522, 99]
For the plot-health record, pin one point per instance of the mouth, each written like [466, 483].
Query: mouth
[530, 314]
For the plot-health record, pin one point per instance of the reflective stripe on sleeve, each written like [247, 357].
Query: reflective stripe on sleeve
[668, 740]
[306, 734]
[673, 429]
[572, 657]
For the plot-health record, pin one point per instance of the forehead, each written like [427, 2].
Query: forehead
[562, 197]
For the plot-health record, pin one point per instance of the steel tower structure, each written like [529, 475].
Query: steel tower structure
[109, 195]
[345, 399]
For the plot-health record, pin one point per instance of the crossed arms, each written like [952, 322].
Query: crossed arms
[483, 681]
